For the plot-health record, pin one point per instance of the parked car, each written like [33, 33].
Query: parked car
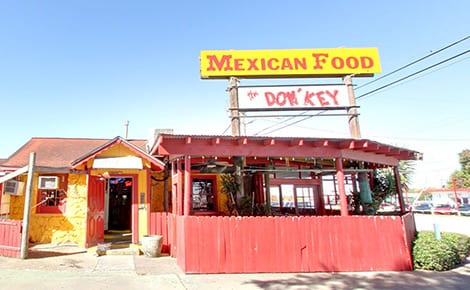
[387, 207]
[444, 209]
[464, 209]
[422, 208]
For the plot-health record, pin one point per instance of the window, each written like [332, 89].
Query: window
[305, 197]
[292, 198]
[203, 194]
[52, 193]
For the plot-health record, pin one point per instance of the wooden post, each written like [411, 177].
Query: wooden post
[267, 182]
[179, 189]
[27, 207]
[456, 198]
[343, 201]
[235, 123]
[166, 175]
[401, 201]
[353, 120]
[234, 113]
[187, 185]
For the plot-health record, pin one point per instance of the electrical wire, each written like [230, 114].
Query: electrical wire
[384, 86]
[414, 62]
[423, 75]
[413, 74]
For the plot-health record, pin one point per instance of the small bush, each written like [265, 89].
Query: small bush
[439, 255]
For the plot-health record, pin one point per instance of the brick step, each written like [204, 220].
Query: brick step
[117, 249]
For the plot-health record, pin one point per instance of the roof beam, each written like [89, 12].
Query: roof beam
[298, 142]
[243, 141]
[14, 174]
[270, 141]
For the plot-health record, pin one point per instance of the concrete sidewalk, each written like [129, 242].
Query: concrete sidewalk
[69, 267]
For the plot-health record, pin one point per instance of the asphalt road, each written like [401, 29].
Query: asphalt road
[446, 223]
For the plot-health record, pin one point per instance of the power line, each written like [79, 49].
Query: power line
[413, 74]
[383, 87]
[423, 75]
[370, 92]
[414, 62]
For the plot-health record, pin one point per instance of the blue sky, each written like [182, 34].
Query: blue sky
[82, 68]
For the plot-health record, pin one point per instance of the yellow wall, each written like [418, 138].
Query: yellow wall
[157, 203]
[70, 227]
[56, 228]
[221, 197]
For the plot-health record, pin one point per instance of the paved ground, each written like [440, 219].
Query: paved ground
[69, 267]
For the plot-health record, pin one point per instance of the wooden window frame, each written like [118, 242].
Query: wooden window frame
[213, 179]
[60, 196]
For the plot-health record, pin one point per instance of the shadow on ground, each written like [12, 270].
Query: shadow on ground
[458, 278]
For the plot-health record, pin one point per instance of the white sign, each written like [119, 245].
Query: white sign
[293, 97]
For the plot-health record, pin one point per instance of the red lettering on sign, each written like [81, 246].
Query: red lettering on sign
[352, 62]
[308, 97]
[286, 64]
[238, 64]
[300, 63]
[333, 96]
[270, 98]
[337, 62]
[252, 63]
[321, 99]
[222, 64]
[281, 98]
[367, 62]
[273, 66]
[320, 58]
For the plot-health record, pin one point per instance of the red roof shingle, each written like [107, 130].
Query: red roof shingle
[57, 152]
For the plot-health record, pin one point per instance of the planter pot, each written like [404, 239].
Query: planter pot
[152, 245]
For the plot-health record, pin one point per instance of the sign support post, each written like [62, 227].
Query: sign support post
[234, 112]
[353, 120]
[235, 123]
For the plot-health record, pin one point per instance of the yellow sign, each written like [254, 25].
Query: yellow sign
[331, 62]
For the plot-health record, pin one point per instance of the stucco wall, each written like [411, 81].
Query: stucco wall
[56, 228]
[157, 185]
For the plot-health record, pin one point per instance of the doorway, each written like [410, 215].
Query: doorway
[118, 209]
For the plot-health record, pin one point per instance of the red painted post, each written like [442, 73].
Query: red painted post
[342, 191]
[187, 185]
[457, 207]
[179, 189]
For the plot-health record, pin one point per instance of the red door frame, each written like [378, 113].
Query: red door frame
[135, 204]
[95, 208]
[94, 228]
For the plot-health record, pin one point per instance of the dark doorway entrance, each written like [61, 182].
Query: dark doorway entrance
[120, 201]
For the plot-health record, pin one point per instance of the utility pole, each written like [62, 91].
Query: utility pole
[27, 207]
[234, 112]
[126, 131]
[353, 120]
[235, 123]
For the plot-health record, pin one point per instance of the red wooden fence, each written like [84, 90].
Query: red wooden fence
[161, 223]
[10, 238]
[294, 244]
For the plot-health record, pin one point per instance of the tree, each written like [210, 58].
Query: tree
[462, 176]
[384, 181]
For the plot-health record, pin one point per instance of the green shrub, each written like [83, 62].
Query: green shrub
[460, 242]
[439, 255]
